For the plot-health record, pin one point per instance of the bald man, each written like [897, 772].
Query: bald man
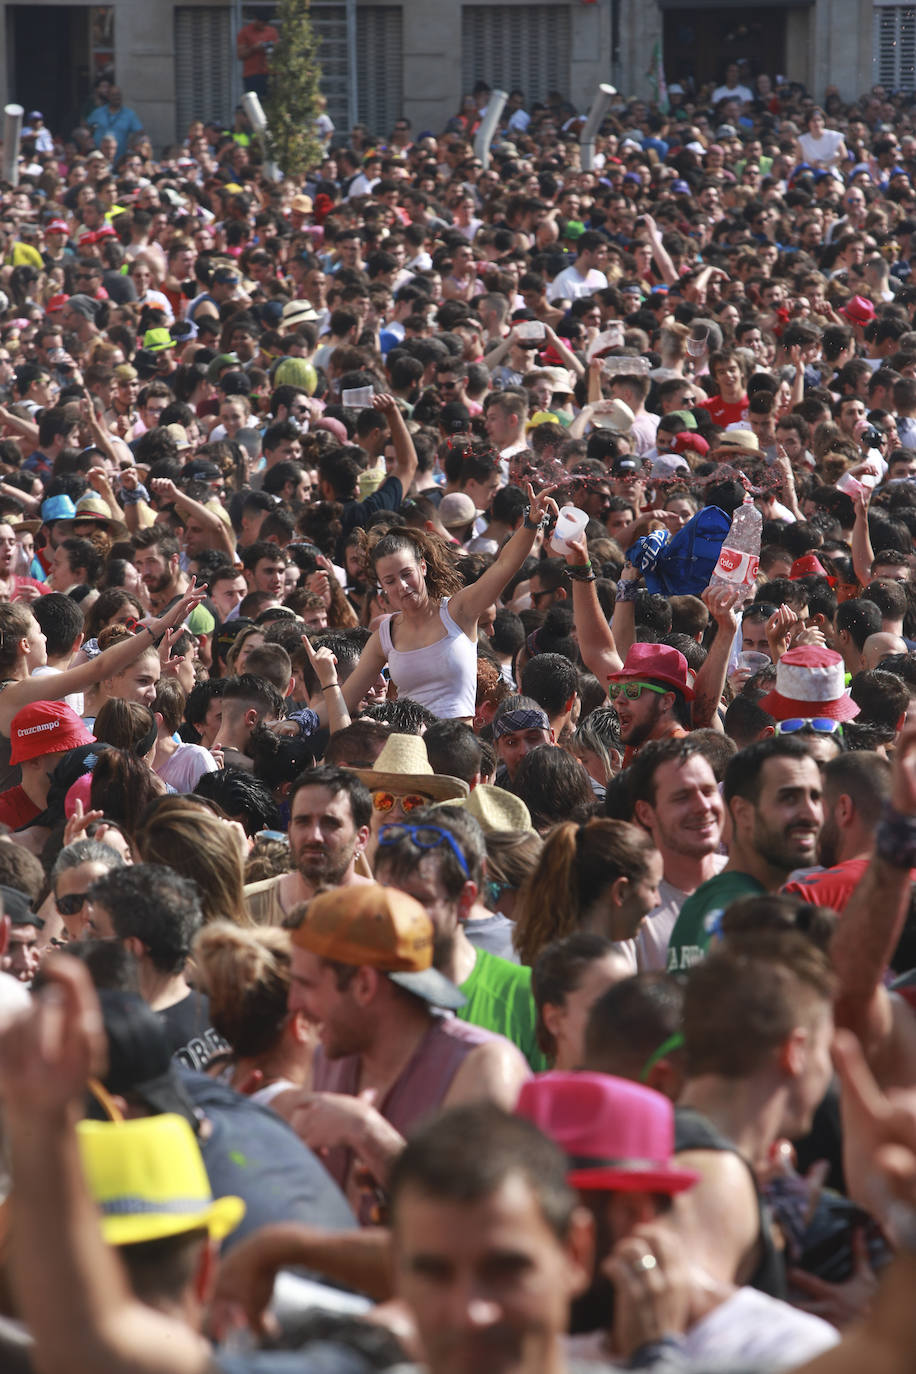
[879, 645]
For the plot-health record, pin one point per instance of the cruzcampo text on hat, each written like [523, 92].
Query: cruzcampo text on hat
[368, 925]
[45, 727]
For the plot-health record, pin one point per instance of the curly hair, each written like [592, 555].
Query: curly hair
[442, 579]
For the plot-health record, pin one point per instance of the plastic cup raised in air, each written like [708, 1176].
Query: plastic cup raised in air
[570, 523]
[358, 396]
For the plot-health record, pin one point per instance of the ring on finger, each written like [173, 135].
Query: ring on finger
[645, 1263]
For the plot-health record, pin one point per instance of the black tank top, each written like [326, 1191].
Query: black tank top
[692, 1131]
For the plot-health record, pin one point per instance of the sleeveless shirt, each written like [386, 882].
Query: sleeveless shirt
[441, 676]
[421, 1088]
[693, 1131]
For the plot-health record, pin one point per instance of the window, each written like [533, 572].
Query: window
[894, 46]
[527, 46]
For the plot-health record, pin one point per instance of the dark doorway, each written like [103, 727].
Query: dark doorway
[699, 43]
[48, 48]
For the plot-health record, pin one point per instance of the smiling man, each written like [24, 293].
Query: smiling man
[773, 795]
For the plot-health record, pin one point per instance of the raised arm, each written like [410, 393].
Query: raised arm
[467, 606]
[216, 530]
[597, 645]
[107, 664]
[72, 1288]
[870, 925]
[863, 555]
[660, 254]
[324, 666]
[405, 455]
[723, 604]
[565, 353]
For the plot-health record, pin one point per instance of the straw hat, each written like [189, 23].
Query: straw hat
[403, 766]
[92, 508]
[494, 809]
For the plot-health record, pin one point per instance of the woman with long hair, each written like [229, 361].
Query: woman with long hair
[246, 975]
[602, 877]
[188, 836]
[429, 639]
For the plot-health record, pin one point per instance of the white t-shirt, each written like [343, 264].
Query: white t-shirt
[571, 285]
[731, 93]
[747, 1328]
[823, 151]
[188, 763]
[74, 700]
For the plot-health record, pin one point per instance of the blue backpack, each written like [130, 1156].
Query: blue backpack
[682, 564]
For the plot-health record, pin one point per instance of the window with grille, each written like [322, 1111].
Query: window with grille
[329, 23]
[204, 65]
[527, 46]
[894, 46]
[381, 89]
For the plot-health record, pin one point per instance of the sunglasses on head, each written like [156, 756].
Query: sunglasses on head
[72, 903]
[424, 837]
[384, 801]
[634, 690]
[821, 725]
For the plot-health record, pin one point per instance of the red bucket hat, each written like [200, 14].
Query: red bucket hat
[45, 727]
[656, 663]
[616, 1134]
[810, 682]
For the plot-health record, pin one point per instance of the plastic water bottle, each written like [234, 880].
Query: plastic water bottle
[739, 557]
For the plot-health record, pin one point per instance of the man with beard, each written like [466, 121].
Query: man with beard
[330, 811]
[157, 560]
[362, 972]
[857, 787]
[649, 694]
[772, 792]
[675, 797]
[440, 859]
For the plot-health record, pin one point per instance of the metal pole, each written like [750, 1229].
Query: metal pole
[237, 84]
[352, 67]
[484, 135]
[591, 126]
[12, 127]
[258, 121]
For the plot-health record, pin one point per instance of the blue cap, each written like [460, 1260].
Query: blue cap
[860, 167]
[57, 508]
[680, 188]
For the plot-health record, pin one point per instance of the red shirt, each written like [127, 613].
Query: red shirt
[833, 887]
[249, 37]
[724, 413]
[16, 809]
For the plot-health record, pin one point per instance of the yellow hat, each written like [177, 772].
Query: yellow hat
[149, 1181]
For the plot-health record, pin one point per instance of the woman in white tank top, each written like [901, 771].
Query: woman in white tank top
[430, 640]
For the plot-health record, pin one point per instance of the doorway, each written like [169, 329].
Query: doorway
[699, 42]
[49, 68]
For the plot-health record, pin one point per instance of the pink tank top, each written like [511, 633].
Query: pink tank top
[421, 1088]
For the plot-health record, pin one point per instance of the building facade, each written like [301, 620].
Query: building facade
[175, 59]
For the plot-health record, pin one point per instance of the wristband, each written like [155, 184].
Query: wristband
[580, 572]
[627, 591]
[330, 687]
[157, 640]
[130, 498]
[533, 524]
[895, 839]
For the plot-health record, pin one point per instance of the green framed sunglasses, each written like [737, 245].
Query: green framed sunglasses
[633, 690]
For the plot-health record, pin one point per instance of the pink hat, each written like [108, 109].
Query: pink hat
[656, 663]
[618, 1135]
[859, 310]
[810, 682]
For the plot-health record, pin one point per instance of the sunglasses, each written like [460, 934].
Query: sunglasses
[384, 801]
[634, 690]
[821, 725]
[424, 837]
[72, 903]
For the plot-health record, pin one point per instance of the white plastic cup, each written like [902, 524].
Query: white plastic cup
[753, 659]
[570, 523]
[358, 396]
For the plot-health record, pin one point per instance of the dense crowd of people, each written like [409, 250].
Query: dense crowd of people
[458, 741]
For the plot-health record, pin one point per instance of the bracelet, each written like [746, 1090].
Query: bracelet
[330, 686]
[533, 524]
[580, 572]
[156, 639]
[895, 839]
[627, 591]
